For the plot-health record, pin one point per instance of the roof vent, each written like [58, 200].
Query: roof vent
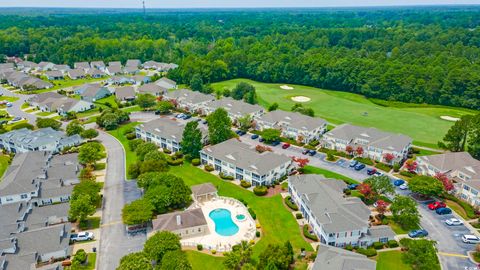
[179, 220]
[230, 157]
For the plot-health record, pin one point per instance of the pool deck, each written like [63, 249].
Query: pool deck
[214, 241]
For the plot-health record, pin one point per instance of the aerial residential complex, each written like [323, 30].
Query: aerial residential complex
[44, 139]
[189, 100]
[239, 160]
[235, 108]
[336, 220]
[55, 102]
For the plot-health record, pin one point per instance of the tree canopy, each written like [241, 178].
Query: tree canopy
[219, 126]
[137, 212]
[404, 211]
[426, 185]
[160, 243]
[192, 140]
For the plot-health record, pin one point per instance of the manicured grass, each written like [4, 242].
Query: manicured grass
[391, 260]
[25, 105]
[9, 99]
[92, 259]
[4, 162]
[201, 261]
[421, 122]
[396, 227]
[278, 224]
[329, 174]
[110, 99]
[118, 133]
[60, 84]
[44, 113]
[90, 223]
[457, 208]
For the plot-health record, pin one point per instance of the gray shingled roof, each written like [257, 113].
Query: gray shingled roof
[97, 64]
[333, 258]
[125, 92]
[133, 63]
[188, 219]
[36, 138]
[114, 69]
[75, 73]
[453, 161]
[188, 96]
[202, 189]
[325, 199]
[293, 119]
[40, 217]
[167, 128]
[81, 65]
[236, 107]
[44, 240]
[151, 88]
[245, 157]
[376, 138]
[54, 73]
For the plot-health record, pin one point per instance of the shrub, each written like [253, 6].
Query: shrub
[377, 245]
[214, 251]
[407, 174]
[130, 136]
[290, 204]
[307, 233]
[365, 161]
[260, 190]
[178, 154]
[396, 167]
[195, 162]
[347, 192]
[100, 166]
[199, 247]
[349, 247]
[298, 215]
[383, 167]
[370, 252]
[314, 143]
[225, 177]
[209, 168]
[252, 213]
[309, 147]
[330, 157]
[243, 201]
[392, 244]
[245, 184]
[134, 143]
[80, 256]
[174, 162]
[167, 151]
[257, 234]
[469, 210]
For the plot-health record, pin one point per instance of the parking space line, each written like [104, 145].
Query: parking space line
[453, 255]
[111, 223]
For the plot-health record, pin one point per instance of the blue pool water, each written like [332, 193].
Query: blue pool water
[240, 217]
[224, 224]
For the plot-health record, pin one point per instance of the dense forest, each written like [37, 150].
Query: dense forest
[421, 55]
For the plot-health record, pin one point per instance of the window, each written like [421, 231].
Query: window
[466, 187]
[383, 240]
[23, 196]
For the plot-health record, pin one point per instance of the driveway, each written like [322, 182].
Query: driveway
[16, 109]
[114, 241]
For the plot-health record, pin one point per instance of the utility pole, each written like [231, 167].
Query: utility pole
[144, 12]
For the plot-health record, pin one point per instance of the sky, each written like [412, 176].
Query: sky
[225, 3]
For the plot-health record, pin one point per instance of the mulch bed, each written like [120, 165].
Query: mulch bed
[274, 191]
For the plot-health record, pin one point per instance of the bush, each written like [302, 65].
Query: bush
[178, 155]
[130, 136]
[225, 177]
[134, 143]
[100, 166]
[349, 247]
[243, 201]
[214, 251]
[314, 143]
[309, 147]
[260, 190]
[396, 167]
[370, 252]
[298, 215]
[209, 168]
[383, 167]
[469, 210]
[257, 234]
[199, 247]
[377, 245]
[347, 192]
[290, 204]
[392, 244]
[167, 151]
[408, 174]
[80, 256]
[245, 184]
[252, 213]
[307, 233]
[174, 162]
[330, 157]
[195, 162]
[365, 161]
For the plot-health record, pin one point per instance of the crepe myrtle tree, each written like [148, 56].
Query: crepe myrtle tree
[388, 157]
[359, 151]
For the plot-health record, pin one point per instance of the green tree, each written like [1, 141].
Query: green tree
[176, 259]
[135, 261]
[404, 212]
[161, 243]
[81, 208]
[241, 89]
[196, 83]
[90, 188]
[153, 166]
[137, 212]
[271, 135]
[159, 197]
[48, 122]
[164, 107]
[380, 184]
[244, 123]
[273, 107]
[240, 255]
[192, 140]
[298, 107]
[425, 185]
[219, 126]
[457, 136]
[89, 134]
[274, 257]
[145, 101]
[421, 254]
[74, 127]
[144, 149]
[91, 152]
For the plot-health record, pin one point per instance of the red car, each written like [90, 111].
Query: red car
[285, 145]
[436, 205]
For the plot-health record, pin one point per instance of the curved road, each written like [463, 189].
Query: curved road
[114, 242]
[16, 109]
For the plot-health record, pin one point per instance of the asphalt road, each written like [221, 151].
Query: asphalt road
[114, 241]
[16, 109]
[452, 251]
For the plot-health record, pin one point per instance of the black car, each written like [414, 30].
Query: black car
[240, 132]
[305, 151]
[371, 171]
[275, 143]
[261, 139]
[359, 166]
[254, 137]
[312, 153]
[187, 116]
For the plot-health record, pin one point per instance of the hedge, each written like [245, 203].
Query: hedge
[199, 247]
[392, 244]
[469, 210]
[290, 204]
[298, 215]
[174, 162]
[260, 190]
[333, 152]
[370, 252]
[195, 162]
[245, 184]
[308, 235]
[377, 245]
[208, 168]
[383, 167]
[225, 177]
[365, 161]
[167, 151]
[252, 213]
[131, 136]
[257, 234]
[408, 174]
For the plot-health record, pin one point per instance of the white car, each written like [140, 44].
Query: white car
[453, 222]
[470, 239]
[82, 236]
[403, 186]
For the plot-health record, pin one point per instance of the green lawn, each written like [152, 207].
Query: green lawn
[4, 162]
[396, 227]
[278, 224]
[43, 114]
[110, 99]
[118, 133]
[329, 174]
[92, 259]
[421, 122]
[9, 99]
[391, 260]
[60, 84]
[201, 261]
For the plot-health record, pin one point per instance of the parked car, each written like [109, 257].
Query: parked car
[352, 186]
[418, 233]
[353, 163]
[371, 171]
[285, 145]
[359, 166]
[180, 115]
[274, 143]
[240, 132]
[82, 236]
[398, 182]
[305, 151]
[261, 139]
[436, 205]
[9, 104]
[187, 116]
[312, 153]
[254, 137]
[443, 211]
[206, 122]
[453, 222]
[377, 173]
[403, 186]
[470, 239]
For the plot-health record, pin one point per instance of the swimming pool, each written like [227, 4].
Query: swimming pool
[240, 217]
[224, 224]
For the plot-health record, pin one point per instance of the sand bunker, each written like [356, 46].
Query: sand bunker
[301, 99]
[286, 87]
[449, 118]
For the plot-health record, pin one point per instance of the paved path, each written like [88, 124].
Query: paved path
[16, 109]
[114, 242]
